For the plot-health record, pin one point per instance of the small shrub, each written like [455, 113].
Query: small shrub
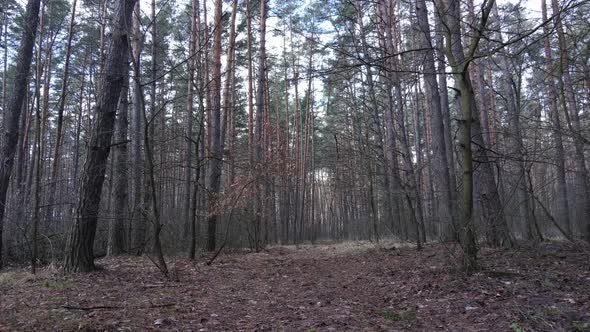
[516, 328]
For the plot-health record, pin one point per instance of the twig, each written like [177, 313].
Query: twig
[552, 219]
[162, 305]
[159, 286]
[98, 307]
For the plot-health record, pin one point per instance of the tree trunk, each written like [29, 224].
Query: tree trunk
[450, 15]
[15, 105]
[60, 115]
[187, 215]
[563, 210]
[250, 85]
[138, 223]
[80, 251]
[216, 155]
[439, 147]
[116, 245]
[229, 75]
[568, 101]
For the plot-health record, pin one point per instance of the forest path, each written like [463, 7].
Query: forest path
[344, 287]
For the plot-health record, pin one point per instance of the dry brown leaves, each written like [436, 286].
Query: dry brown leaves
[325, 288]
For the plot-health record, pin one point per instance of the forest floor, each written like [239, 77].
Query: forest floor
[341, 287]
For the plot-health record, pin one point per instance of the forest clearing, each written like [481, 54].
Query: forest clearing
[329, 287]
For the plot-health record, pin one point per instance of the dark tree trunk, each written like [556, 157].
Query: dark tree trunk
[15, 105]
[80, 251]
[117, 230]
[215, 162]
[139, 223]
[450, 14]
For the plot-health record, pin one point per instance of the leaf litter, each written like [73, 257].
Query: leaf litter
[336, 287]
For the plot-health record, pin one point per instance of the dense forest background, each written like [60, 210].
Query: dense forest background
[170, 127]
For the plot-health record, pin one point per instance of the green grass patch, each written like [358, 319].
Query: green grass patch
[581, 326]
[57, 284]
[404, 315]
[516, 328]
[12, 278]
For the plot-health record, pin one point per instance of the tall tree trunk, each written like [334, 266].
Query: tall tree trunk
[216, 155]
[60, 114]
[138, 223]
[563, 210]
[5, 69]
[38, 169]
[450, 14]
[202, 95]
[80, 248]
[392, 176]
[259, 156]
[446, 114]
[374, 112]
[13, 111]
[79, 123]
[568, 101]
[187, 215]
[228, 108]
[439, 147]
[297, 137]
[250, 85]
[117, 237]
[153, 201]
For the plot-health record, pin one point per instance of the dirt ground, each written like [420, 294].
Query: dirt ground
[343, 287]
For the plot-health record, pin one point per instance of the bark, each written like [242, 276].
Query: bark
[117, 237]
[38, 168]
[80, 247]
[446, 113]
[228, 108]
[259, 156]
[297, 143]
[15, 105]
[250, 85]
[187, 215]
[139, 223]
[79, 123]
[200, 200]
[5, 61]
[216, 155]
